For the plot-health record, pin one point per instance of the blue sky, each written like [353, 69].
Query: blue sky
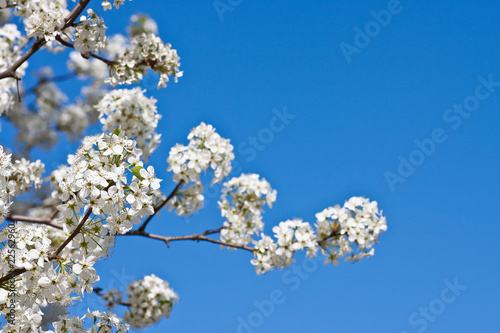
[382, 122]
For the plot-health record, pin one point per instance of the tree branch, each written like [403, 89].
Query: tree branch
[12, 274]
[75, 13]
[11, 71]
[22, 46]
[39, 42]
[160, 206]
[335, 232]
[195, 237]
[44, 79]
[73, 235]
[98, 291]
[36, 220]
[55, 254]
[68, 44]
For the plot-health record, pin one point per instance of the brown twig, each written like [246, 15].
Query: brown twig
[38, 220]
[194, 237]
[335, 232]
[68, 44]
[39, 42]
[73, 235]
[98, 291]
[55, 254]
[44, 79]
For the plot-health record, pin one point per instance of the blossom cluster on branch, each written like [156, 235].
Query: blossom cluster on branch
[51, 240]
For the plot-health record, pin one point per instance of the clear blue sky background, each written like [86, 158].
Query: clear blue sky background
[353, 121]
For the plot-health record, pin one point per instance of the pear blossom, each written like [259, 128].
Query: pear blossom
[150, 299]
[242, 202]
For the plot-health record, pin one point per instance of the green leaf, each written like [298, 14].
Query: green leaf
[117, 130]
[137, 171]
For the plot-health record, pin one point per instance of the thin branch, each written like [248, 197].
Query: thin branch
[73, 235]
[75, 13]
[335, 232]
[68, 44]
[11, 71]
[44, 79]
[195, 237]
[12, 274]
[36, 220]
[98, 291]
[22, 46]
[56, 253]
[53, 214]
[160, 206]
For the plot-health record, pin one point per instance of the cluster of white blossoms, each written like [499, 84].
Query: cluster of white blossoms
[24, 174]
[44, 283]
[102, 322]
[206, 149]
[291, 236]
[147, 51]
[98, 200]
[43, 18]
[134, 113]
[90, 34]
[10, 39]
[105, 189]
[150, 300]
[5, 171]
[241, 204]
[16, 179]
[96, 179]
[350, 231]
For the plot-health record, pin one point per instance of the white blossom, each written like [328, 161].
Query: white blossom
[350, 231]
[90, 33]
[146, 51]
[291, 236]
[206, 149]
[43, 18]
[242, 202]
[150, 299]
[134, 113]
[10, 39]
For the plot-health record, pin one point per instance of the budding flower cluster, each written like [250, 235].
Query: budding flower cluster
[350, 232]
[90, 34]
[151, 299]
[43, 18]
[206, 149]
[10, 38]
[243, 209]
[147, 51]
[97, 179]
[134, 113]
[16, 179]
